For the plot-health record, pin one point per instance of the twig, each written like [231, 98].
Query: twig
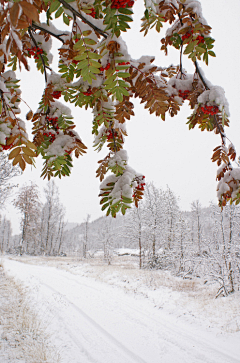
[181, 51]
[113, 136]
[74, 11]
[201, 76]
[36, 26]
[43, 63]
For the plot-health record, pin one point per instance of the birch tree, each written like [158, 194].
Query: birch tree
[27, 201]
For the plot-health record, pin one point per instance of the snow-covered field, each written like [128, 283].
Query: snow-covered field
[97, 313]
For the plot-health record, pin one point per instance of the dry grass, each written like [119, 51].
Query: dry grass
[23, 336]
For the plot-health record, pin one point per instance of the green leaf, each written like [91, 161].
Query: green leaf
[212, 53]
[82, 64]
[200, 49]
[125, 11]
[78, 45]
[54, 6]
[189, 48]
[94, 56]
[123, 25]
[111, 85]
[80, 57]
[59, 12]
[104, 200]
[125, 18]
[65, 19]
[123, 210]
[119, 95]
[158, 26]
[94, 70]
[105, 206]
[94, 63]
[205, 58]
[126, 200]
[123, 74]
[123, 83]
[89, 41]
[124, 91]
[146, 13]
[110, 79]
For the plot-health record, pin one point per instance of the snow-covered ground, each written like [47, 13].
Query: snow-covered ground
[103, 314]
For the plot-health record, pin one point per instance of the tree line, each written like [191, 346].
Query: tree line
[203, 242]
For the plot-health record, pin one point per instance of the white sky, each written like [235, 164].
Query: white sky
[165, 152]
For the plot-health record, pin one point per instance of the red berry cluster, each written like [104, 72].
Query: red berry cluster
[88, 93]
[117, 4]
[187, 35]
[35, 52]
[123, 63]
[200, 39]
[93, 12]
[183, 94]
[57, 94]
[105, 68]
[51, 135]
[210, 110]
[6, 147]
[110, 135]
[54, 122]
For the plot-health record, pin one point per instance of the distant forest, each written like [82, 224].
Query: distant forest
[204, 242]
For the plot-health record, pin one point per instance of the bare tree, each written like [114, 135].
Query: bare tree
[135, 230]
[5, 234]
[52, 220]
[28, 203]
[197, 227]
[86, 235]
[7, 172]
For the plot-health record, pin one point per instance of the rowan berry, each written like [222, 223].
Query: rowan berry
[210, 110]
[184, 94]
[93, 13]
[57, 94]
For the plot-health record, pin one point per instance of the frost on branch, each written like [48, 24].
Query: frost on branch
[96, 70]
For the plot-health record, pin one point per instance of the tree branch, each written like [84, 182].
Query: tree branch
[36, 45]
[201, 76]
[36, 26]
[223, 136]
[75, 12]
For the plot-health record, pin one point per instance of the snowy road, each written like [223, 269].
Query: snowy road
[92, 322]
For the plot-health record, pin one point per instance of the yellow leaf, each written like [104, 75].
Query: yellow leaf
[27, 159]
[31, 145]
[30, 10]
[29, 115]
[22, 164]
[14, 12]
[17, 159]
[11, 139]
[14, 153]
[28, 151]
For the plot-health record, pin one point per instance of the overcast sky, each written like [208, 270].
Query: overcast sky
[167, 153]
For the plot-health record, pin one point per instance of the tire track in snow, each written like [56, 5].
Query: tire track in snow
[99, 328]
[173, 342]
[202, 347]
